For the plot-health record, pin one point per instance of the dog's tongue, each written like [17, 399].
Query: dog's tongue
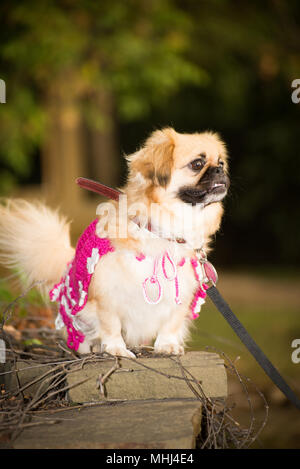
[99, 188]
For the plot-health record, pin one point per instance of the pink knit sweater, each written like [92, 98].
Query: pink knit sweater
[72, 291]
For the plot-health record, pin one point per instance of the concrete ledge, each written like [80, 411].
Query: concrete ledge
[28, 371]
[172, 425]
[133, 381]
[142, 404]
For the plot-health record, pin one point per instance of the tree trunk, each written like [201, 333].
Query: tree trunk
[104, 148]
[63, 153]
[66, 152]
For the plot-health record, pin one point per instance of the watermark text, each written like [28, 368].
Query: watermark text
[139, 220]
[2, 92]
[296, 353]
[2, 351]
[296, 92]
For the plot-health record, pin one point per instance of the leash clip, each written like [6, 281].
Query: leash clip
[208, 270]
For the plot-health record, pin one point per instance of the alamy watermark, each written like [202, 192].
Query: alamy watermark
[140, 220]
[296, 353]
[2, 92]
[296, 92]
[2, 351]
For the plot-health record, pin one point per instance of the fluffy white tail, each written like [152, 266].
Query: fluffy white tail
[35, 240]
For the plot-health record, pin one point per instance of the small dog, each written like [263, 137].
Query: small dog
[134, 276]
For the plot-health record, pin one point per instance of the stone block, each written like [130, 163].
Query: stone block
[150, 378]
[27, 371]
[138, 425]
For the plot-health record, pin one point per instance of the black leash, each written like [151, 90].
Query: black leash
[253, 348]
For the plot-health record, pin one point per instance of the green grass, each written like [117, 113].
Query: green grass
[272, 329]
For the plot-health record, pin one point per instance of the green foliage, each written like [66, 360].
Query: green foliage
[20, 308]
[6, 294]
[30, 342]
[22, 124]
[137, 50]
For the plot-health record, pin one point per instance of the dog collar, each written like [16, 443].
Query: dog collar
[95, 186]
[149, 227]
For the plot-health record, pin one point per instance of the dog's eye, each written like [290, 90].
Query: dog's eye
[221, 163]
[197, 164]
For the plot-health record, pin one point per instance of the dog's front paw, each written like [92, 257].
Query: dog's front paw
[117, 350]
[168, 348]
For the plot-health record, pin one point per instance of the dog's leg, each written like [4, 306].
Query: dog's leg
[82, 349]
[110, 334]
[171, 337]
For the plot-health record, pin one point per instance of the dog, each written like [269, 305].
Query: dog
[134, 276]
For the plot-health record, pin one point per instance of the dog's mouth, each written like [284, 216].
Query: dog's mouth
[212, 193]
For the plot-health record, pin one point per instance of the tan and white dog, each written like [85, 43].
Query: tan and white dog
[173, 204]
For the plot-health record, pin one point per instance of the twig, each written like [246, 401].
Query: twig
[101, 380]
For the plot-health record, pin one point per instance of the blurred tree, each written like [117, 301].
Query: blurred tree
[77, 65]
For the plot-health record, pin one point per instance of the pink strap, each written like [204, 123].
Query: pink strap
[175, 274]
[200, 293]
[177, 299]
[163, 263]
[154, 279]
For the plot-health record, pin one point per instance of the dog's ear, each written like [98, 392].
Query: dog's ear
[155, 159]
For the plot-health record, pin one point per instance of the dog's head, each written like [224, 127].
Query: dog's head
[188, 168]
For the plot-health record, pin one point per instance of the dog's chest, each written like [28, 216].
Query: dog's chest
[151, 284]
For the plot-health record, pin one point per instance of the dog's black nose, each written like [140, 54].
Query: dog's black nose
[216, 170]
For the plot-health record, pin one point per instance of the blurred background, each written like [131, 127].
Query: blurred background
[86, 82]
